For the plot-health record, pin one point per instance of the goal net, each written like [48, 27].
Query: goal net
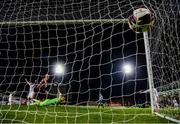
[89, 53]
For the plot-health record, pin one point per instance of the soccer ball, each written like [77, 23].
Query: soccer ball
[141, 20]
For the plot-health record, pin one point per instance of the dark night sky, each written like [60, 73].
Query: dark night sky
[93, 55]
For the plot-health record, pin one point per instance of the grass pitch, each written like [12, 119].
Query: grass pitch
[76, 114]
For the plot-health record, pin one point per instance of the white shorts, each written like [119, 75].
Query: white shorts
[31, 95]
[155, 99]
[156, 105]
[176, 105]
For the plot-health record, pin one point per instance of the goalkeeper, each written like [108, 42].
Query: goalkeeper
[47, 102]
[101, 101]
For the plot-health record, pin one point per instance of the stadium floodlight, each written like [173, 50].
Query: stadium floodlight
[59, 69]
[127, 68]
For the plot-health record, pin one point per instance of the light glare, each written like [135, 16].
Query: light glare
[59, 69]
[127, 68]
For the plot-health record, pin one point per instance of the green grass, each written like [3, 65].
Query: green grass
[76, 114]
[171, 112]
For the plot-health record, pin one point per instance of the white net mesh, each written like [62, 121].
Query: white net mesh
[165, 59]
[93, 43]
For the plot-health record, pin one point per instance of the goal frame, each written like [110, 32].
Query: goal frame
[149, 69]
[52, 22]
[96, 21]
[150, 78]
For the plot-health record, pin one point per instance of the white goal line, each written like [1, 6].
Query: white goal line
[82, 21]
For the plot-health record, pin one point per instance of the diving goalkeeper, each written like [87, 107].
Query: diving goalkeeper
[47, 102]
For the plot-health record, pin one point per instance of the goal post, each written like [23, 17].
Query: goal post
[165, 90]
[52, 22]
[149, 69]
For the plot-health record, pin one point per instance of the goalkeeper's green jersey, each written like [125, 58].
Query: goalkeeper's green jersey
[50, 102]
[46, 102]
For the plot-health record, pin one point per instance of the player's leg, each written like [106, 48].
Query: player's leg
[46, 94]
[30, 96]
[103, 103]
[43, 94]
[100, 104]
[176, 105]
[156, 104]
[157, 107]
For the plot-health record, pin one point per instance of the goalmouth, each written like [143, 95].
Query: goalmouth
[91, 40]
